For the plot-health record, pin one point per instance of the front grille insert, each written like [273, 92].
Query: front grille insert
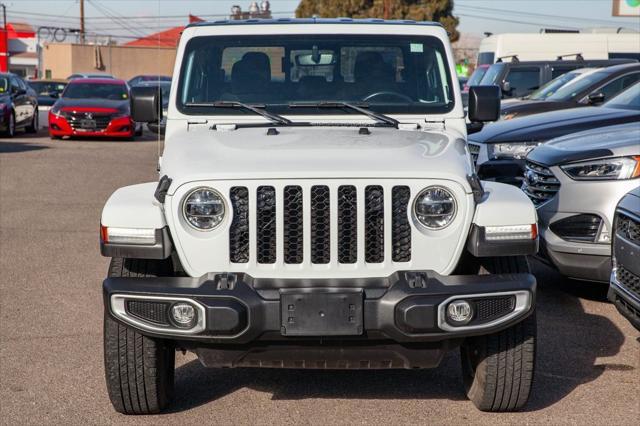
[628, 280]
[320, 225]
[293, 227]
[401, 230]
[347, 224]
[150, 311]
[75, 119]
[580, 228]
[239, 230]
[266, 224]
[374, 224]
[627, 227]
[539, 183]
[492, 308]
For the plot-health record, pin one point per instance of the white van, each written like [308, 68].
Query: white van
[550, 46]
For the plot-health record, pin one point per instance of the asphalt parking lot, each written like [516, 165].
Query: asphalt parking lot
[51, 371]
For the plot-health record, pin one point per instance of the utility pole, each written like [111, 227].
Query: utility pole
[5, 35]
[82, 21]
[385, 5]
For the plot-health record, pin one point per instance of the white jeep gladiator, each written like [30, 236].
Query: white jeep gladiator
[317, 208]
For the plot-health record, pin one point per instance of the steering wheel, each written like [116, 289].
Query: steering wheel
[396, 94]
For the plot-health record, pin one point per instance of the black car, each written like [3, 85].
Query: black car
[581, 87]
[624, 290]
[48, 91]
[135, 81]
[18, 106]
[501, 147]
[518, 79]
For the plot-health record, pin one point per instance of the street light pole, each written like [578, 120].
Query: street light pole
[82, 21]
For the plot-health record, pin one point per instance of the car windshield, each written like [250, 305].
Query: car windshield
[4, 85]
[492, 75]
[629, 99]
[477, 75]
[576, 86]
[551, 87]
[45, 88]
[79, 90]
[401, 74]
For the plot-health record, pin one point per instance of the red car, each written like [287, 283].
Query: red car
[91, 107]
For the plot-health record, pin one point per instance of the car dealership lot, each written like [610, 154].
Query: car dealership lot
[51, 369]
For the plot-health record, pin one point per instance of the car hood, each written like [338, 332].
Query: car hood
[621, 140]
[533, 106]
[93, 103]
[314, 152]
[548, 125]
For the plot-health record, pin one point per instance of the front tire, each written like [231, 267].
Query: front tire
[498, 368]
[11, 126]
[139, 370]
[33, 127]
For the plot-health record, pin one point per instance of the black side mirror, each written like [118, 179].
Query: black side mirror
[146, 104]
[596, 98]
[484, 104]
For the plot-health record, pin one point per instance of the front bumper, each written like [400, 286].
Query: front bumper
[121, 127]
[406, 307]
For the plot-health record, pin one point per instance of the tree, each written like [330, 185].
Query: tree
[418, 10]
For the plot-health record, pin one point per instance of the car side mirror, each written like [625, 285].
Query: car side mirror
[596, 98]
[146, 104]
[484, 104]
[506, 87]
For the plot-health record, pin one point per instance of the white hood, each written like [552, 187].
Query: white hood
[313, 152]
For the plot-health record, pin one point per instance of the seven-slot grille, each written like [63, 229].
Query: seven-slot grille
[317, 227]
[75, 119]
[539, 184]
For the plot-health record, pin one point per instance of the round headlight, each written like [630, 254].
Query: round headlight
[203, 209]
[435, 207]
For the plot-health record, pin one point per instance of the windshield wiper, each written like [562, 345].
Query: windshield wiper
[256, 109]
[380, 118]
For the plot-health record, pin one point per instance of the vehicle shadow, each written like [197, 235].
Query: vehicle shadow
[7, 147]
[569, 342]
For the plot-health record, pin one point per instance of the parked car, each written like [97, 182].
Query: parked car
[518, 79]
[91, 107]
[500, 148]
[164, 88]
[575, 181]
[292, 227]
[148, 78]
[48, 92]
[18, 106]
[581, 87]
[90, 75]
[624, 290]
[474, 80]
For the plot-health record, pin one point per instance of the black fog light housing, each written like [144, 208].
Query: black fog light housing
[459, 312]
[183, 315]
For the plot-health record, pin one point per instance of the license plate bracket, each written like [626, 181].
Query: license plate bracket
[321, 312]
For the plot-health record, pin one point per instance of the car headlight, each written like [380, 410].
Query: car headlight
[517, 150]
[435, 207]
[606, 169]
[203, 209]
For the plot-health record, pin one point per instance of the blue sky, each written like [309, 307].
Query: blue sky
[476, 16]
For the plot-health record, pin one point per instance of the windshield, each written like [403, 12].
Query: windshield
[45, 88]
[114, 92]
[492, 75]
[629, 99]
[551, 87]
[477, 75]
[577, 86]
[399, 74]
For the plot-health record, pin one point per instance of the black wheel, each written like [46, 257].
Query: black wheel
[139, 370]
[33, 127]
[11, 127]
[498, 368]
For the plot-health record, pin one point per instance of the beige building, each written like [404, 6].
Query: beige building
[59, 60]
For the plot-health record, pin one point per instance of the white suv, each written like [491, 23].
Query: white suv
[317, 208]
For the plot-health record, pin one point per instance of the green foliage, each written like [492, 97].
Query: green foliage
[419, 10]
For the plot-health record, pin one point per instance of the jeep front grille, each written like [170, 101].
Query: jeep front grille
[539, 183]
[315, 220]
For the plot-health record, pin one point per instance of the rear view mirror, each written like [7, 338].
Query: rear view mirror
[484, 104]
[596, 98]
[146, 104]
